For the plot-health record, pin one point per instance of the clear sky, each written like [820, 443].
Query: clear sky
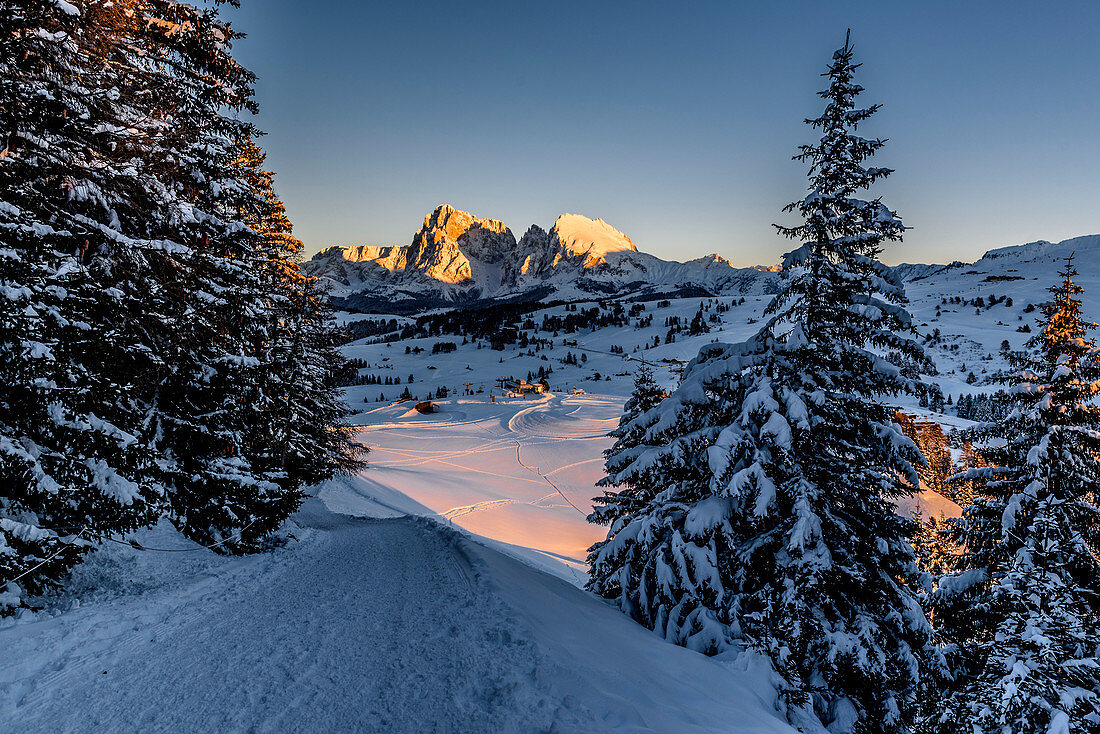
[674, 121]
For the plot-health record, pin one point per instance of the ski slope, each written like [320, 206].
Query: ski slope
[363, 624]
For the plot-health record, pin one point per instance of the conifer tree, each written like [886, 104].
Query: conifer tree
[1020, 612]
[298, 413]
[146, 286]
[666, 558]
[645, 396]
[71, 467]
[933, 444]
[624, 499]
[219, 492]
[936, 551]
[773, 470]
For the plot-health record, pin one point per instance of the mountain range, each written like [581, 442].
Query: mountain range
[458, 259]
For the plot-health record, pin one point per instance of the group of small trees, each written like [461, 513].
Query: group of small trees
[757, 503]
[161, 354]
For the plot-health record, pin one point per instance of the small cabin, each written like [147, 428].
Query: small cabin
[426, 406]
[521, 387]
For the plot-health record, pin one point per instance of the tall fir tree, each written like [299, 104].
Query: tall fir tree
[669, 556]
[1020, 611]
[299, 414]
[140, 298]
[773, 471]
[71, 466]
[629, 434]
[219, 491]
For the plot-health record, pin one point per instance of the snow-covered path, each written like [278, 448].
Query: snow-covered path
[336, 637]
[366, 625]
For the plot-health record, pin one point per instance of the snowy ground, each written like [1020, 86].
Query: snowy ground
[481, 366]
[516, 471]
[373, 620]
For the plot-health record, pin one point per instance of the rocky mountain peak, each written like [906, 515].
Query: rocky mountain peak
[589, 240]
[441, 249]
[712, 260]
[457, 257]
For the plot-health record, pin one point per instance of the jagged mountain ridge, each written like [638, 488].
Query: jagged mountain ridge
[456, 258]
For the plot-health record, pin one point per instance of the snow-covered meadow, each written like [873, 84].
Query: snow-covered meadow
[517, 471]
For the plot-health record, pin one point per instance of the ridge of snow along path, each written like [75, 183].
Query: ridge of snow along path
[363, 624]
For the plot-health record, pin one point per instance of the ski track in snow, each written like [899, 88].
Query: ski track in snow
[518, 471]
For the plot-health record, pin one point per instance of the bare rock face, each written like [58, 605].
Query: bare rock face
[574, 244]
[387, 258]
[532, 254]
[444, 245]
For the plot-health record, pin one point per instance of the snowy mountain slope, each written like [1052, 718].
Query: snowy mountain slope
[456, 258]
[928, 504]
[576, 236]
[963, 337]
[361, 624]
[959, 337]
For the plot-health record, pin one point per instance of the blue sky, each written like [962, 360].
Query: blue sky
[675, 122]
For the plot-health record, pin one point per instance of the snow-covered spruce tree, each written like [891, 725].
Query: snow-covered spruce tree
[831, 593]
[771, 473]
[71, 467]
[138, 297]
[670, 559]
[1021, 611]
[319, 442]
[630, 433]
[935, 548]
[226, 481]
[298, 414]
[625, 497]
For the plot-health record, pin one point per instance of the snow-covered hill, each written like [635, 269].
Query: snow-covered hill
[456, 258]
[967, 313]
[1010, 283]
[965, 340]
